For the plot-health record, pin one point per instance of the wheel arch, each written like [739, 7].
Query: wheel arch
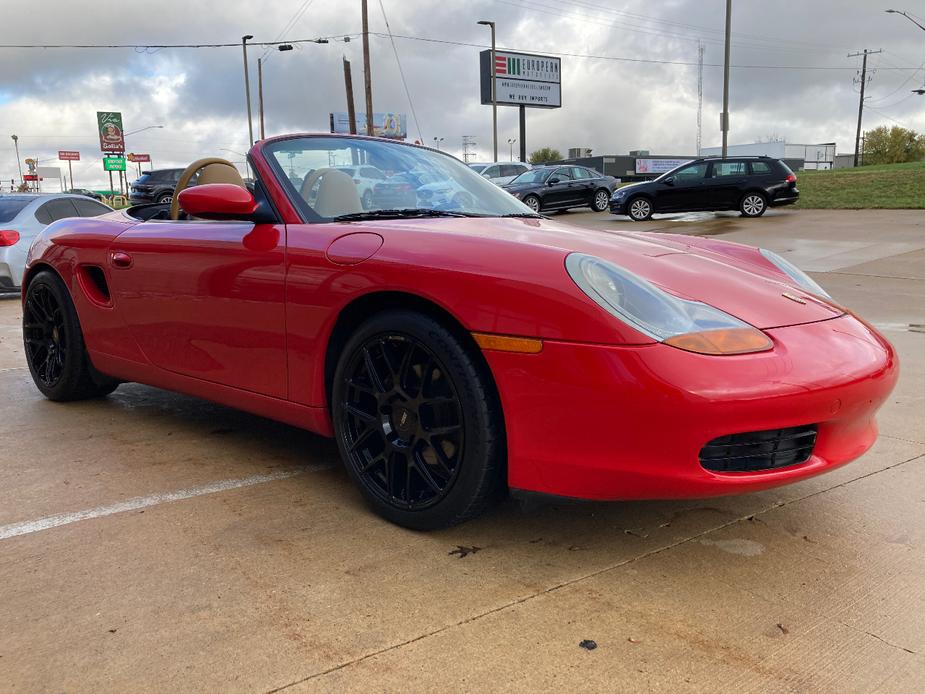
[36, 269]
[360, 309]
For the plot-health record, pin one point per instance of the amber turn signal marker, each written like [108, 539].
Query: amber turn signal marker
[506, 343]
[726, 341]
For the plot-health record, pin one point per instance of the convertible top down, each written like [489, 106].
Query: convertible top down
[459, 349]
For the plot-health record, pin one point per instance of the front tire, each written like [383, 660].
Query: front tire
[753, 205]
[532, 202]
[417, 421]
[165, 198]
[54, 345]
[639, 209]
[601, 200]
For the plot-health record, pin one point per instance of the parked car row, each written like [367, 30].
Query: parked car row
[547, 188]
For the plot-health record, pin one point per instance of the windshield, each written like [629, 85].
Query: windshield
[534, 176]
[478, 168]
[413, 178]
[10, 207]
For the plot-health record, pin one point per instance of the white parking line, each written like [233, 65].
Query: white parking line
[34, 526]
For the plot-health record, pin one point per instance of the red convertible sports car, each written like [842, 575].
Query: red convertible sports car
[459, 351]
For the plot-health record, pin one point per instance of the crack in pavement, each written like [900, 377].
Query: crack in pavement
[593, 574]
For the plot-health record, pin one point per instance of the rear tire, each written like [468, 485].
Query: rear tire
[417, 422]
[601, 200]
[54, 346]
[639, 209]
[753, 205]
[532, 202]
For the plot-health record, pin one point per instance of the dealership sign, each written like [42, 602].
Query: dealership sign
[68, 155]
[113, 163]
[112, 138]
[658, 166]
[392, 125]
[522, 79]
[138, 158]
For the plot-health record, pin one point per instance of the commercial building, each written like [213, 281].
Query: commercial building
[806, 157]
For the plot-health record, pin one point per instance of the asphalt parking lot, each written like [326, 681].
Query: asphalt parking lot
[151, 542]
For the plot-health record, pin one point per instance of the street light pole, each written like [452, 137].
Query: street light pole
[494, 90]
[725, 116]
[511, 141]
[437, 141]
[247, 91]
[906, 16]
[18, 162]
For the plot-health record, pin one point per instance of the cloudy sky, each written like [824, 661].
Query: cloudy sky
[792, 79]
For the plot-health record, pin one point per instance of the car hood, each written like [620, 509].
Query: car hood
[632, 186]
[516, 187]
[730, 277]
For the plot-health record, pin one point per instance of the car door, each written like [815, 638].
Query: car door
[558, 192]
[206, 299]
[683, 190]
[584, 186]
[724, 184]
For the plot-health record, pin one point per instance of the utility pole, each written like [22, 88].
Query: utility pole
[468, 141]
[725, 117]
[247, 91]
[367, 77]
[494, 90]
[260, 95]
[857, 137]
[700, 48]
[351, 109]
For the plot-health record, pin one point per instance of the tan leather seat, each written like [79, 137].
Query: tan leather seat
[337, 193]
[220, 173]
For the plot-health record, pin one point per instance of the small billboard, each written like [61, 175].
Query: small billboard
[392, 125]
[68, 155]
[138, 158]
[658, 166]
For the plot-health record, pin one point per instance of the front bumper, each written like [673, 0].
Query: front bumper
[608, 423]
[618, 205]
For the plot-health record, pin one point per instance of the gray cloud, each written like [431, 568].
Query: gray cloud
[49, 97]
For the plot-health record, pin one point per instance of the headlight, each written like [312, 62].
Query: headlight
[688, 325]
[618, 193]
[795, 273]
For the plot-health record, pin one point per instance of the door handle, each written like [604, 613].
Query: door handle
[121, 260]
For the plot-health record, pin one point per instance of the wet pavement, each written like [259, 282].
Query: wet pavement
[151, 541]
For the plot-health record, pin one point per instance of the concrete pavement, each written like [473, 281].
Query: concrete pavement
[153, 542]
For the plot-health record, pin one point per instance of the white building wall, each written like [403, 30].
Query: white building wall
[757, 149]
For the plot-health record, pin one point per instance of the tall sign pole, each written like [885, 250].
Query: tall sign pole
[348, 85]
[494, 91]
[247, 92]
[367, 77]
[260, 95]
[725, 117]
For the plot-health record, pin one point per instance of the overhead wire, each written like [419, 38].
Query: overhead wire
[401, 72]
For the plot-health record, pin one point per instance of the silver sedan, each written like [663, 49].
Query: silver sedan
[23, 216]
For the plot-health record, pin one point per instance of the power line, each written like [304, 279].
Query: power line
[161, 46]
[289, 25]
[402, 73]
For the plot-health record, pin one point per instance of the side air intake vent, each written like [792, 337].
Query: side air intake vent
[93, 282]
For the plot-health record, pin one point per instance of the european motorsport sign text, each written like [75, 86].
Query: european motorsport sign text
[523, 79]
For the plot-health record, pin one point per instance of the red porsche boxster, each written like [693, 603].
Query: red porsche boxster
[461, 349]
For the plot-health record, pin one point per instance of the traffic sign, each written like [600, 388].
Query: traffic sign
[113, 163]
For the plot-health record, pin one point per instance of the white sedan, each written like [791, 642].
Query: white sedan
[23, 216]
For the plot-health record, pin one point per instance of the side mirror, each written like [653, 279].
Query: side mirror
[669, 181]
[219, 201]
[554, 179]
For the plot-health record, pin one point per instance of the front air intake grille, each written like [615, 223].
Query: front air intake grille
[759, 450]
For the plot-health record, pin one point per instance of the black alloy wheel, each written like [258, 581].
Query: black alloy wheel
[416, 425]
[44, 335]
[54, 345]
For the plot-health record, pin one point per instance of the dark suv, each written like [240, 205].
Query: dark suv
[748, 184]
[154, 186]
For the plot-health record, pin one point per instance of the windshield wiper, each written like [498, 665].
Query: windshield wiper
[525, 215]
[400, 214]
